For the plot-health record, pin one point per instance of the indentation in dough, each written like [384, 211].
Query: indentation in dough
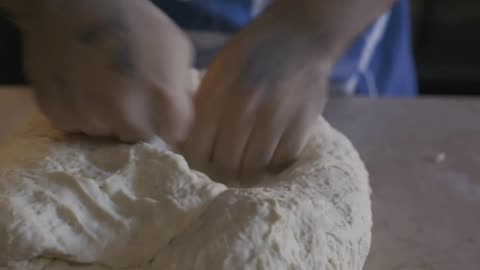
[75, 203]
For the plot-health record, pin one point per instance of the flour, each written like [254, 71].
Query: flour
[76, 203]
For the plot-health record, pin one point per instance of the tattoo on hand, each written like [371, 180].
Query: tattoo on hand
[111, 35]
[122, 60]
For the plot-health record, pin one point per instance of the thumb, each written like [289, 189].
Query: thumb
[172, 115]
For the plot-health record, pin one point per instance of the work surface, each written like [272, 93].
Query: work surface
[423, 156]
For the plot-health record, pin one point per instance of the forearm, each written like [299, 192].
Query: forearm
[330, 25]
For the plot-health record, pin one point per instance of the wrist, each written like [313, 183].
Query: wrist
[293, 38]
[329, 25]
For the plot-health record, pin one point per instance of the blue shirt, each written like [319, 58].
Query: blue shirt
[378, 63]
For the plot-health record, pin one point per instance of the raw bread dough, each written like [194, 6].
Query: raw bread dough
[74, 203]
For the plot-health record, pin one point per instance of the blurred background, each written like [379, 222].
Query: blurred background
[446, 45]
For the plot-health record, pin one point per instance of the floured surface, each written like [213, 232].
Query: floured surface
[70, 203]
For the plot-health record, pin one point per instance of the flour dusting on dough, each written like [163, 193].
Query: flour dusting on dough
[75, 203]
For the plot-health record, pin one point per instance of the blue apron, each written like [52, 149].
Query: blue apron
[378, 63]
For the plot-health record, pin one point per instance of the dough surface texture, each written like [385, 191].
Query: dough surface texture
[75, 203]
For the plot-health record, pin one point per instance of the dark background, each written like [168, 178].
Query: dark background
[446, 46]
[10, 63]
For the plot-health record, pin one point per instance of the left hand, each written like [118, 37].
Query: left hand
[115, 68]
[258, 100]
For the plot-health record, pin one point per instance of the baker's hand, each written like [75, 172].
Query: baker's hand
[259, 98]
[109, 68]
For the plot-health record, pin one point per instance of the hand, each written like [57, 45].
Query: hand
[257, 102]
[112, 67]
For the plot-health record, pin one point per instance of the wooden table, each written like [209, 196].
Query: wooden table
[423, 156]
[424, 160]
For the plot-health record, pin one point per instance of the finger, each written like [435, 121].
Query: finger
[296, 135]
[209, 104]
[269, 125]
[95, 125]
[54, 100]
[170, 115]
[236, 124]
[59, 113]
[198, 146]
[292, 142]
[126, 115]
[90, 110]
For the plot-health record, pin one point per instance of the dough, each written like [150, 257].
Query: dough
[75, 203]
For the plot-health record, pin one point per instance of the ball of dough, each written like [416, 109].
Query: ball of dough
[77, 203]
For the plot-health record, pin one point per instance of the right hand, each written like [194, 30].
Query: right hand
[259, 99]
[110, 68]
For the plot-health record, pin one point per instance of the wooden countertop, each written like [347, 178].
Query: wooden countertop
[423, 156]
